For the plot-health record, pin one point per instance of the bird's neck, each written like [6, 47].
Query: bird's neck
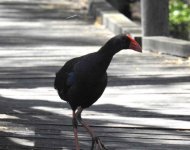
[109, 50]
[106, 54]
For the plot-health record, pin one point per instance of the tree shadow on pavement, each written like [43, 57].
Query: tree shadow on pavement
[42, 124]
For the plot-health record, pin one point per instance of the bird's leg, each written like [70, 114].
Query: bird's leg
[95, 140]
[75, 124]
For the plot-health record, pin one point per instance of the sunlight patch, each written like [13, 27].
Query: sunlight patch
[3, 128]
[5, 116]
[59, 111]
[42, 93]
[23, 142]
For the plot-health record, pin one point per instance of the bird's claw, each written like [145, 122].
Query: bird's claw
[99, 145]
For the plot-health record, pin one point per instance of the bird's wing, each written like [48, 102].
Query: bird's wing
[71, 79]
[65, 78]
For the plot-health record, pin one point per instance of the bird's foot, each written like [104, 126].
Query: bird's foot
[98, 143]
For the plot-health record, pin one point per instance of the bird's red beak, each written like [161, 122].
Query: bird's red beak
[134, 45]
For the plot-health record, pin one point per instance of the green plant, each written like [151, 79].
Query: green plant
[179, 18]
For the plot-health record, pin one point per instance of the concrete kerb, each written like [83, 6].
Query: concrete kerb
[167, 45]
[118, 23]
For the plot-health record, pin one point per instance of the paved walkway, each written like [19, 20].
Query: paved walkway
[146, 105]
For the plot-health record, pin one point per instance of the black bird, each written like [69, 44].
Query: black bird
[82, 80]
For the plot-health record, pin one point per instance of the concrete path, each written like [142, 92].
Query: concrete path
[146, 105]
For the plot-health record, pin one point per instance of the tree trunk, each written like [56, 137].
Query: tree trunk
[155, 17]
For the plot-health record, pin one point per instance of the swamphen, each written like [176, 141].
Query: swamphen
[82, 80]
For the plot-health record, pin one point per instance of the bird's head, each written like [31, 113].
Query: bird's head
[127, 42]
[119, 42]
[133, 44]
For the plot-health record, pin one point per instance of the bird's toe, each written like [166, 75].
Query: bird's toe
[99, 144]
